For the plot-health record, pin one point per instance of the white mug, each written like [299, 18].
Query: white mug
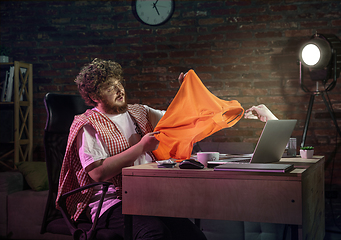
[204, 157]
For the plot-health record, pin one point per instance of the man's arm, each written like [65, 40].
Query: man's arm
[105, 169]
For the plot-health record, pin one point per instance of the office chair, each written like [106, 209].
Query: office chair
[61, 109]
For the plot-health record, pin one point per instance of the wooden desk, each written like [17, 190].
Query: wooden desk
[295, 198]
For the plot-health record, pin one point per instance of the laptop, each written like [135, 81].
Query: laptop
[269, 149]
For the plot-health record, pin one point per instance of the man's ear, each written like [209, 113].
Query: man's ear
[94, 98]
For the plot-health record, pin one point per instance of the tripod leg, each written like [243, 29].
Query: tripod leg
[306, 125]
[329, 108]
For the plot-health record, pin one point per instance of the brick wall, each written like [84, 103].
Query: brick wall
[245, 50]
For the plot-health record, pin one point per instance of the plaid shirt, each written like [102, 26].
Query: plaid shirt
[72, 174]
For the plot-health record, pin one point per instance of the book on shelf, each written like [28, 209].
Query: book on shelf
[7, 89]
[10, 82]
[22, 85]
[4, 87]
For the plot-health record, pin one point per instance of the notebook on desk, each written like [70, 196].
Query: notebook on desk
[269, 148]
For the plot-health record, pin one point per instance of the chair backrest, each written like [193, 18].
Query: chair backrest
[60, 109]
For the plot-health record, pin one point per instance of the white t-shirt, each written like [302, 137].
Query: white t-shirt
[91, 148]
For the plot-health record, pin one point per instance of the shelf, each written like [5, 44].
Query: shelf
[22, 103]
[21, 119]
[6, 103]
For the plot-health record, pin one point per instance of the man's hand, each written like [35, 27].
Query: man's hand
[260, 112]
[149, 142]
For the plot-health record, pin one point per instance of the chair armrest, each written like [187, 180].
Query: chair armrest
[76, 232]
[66, 195]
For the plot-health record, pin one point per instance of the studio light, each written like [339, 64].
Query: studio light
[321, 55]
[316, 54]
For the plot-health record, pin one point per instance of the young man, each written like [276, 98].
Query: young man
[105, 139]
[109, 137]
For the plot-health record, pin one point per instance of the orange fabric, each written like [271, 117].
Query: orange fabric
[195, 113]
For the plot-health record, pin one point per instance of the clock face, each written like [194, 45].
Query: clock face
[153, 12]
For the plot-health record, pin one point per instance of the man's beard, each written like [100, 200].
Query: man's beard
[113, 108]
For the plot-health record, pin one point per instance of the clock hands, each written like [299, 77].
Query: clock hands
[145, 13]
[154, 6]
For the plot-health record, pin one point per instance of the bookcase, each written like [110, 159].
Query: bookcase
[16, 113]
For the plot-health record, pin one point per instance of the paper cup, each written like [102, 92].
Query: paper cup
[204, 157]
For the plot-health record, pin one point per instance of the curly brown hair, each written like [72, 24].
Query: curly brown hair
[95, 76]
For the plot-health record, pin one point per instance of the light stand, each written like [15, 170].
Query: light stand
[332, 69]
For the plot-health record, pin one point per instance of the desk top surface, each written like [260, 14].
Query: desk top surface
[301, 167]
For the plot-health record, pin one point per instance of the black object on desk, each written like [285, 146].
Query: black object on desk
[191, 164]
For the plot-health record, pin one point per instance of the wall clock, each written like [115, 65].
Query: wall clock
[153, 12]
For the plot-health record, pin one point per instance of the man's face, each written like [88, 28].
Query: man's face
[113, 99]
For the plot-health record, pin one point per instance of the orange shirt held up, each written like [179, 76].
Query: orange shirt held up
[194, 114]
